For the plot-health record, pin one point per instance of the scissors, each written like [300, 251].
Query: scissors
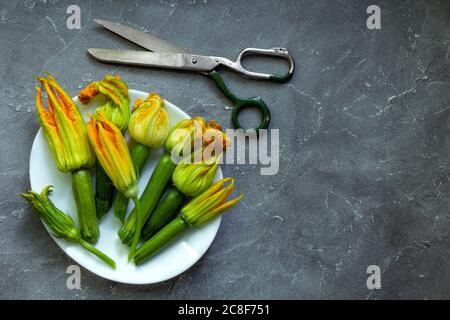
[164, 54]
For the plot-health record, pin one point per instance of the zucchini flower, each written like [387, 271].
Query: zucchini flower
[112, 152]
[116, 108]
[194, 178]
[149, 126]
[64, 128]
[149, 123]
[190, 136]
[60, 224]
[210, 203]
[185, 137]
[215, 141]
[66, 133]
[201, 209]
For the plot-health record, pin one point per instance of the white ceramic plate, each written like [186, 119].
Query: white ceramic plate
[169, 262]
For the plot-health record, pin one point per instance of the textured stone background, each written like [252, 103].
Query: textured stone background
[365, 145]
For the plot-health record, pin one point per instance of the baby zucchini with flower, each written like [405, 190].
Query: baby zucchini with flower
[112, 152]
[115, 109]
[60, 224]
[182, 134]
[190, 178]
[149, 198]
[198, 211]
[195, 173]
[181, 141]
[65, 132]
[149, 125]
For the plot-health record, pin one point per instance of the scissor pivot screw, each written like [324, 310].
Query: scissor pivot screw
[194, 60]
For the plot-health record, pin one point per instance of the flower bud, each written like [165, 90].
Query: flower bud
[149, 123]
[183, 136]
[210, 203]
[60, 224]
[194, 178]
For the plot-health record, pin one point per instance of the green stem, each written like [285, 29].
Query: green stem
[137, 231]
[139, 155]
[159, 240]
[84, 198]
[98, 253]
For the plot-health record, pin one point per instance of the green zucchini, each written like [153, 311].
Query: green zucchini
[84, 198]
[104, 191]
[149, 197]
[163, 213]
[139, 155]
[172, 230]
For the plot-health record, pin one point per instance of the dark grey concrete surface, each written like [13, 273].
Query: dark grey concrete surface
[364, 141]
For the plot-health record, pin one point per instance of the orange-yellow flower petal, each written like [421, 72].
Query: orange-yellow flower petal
[149, 123]
[210, 203]
[63, 127]
[112, 152]
[116, 108]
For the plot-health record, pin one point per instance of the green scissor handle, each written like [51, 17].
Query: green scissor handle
[240, 104]
[255, 102]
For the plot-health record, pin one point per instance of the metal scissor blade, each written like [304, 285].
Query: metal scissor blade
[142, 39]
[156, 59]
